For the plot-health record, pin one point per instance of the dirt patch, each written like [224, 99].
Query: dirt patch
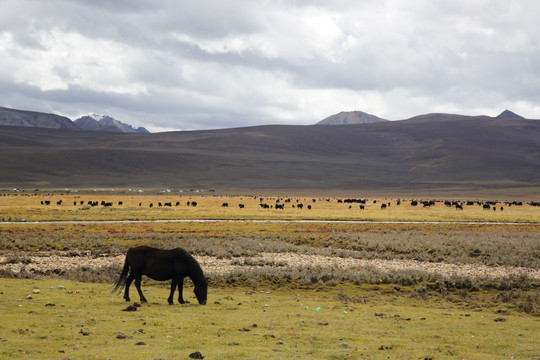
[47, 262]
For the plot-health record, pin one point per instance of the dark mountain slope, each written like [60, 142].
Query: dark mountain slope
[412, 154]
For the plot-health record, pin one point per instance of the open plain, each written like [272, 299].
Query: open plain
[323, 280]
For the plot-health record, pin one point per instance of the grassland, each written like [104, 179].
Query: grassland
[364, 312]
[83, 320]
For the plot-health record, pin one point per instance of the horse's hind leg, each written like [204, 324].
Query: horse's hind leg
[129, 280]
[138, 286]
[173, 288]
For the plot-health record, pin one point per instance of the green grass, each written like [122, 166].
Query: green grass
[360, 320]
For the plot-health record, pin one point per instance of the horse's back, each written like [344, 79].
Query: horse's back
[152, 251]
[158, 264]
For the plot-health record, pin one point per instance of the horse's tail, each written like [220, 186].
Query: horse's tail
[121, 283]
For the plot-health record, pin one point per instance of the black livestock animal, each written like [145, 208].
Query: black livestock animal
[162, 265]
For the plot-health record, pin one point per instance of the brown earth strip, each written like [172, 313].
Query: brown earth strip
[223, 266]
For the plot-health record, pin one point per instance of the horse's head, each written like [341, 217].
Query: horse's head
[201, 291]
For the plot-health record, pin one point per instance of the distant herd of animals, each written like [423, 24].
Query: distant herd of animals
[280, 203]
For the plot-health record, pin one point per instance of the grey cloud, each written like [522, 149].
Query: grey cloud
[204, 64]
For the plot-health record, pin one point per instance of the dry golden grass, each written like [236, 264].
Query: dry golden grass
[28, 207]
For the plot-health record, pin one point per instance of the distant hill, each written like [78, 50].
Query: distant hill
[449, 153]
[350, 117]
[359, 117]
[507, 114]
[14, 117]
[106, 123]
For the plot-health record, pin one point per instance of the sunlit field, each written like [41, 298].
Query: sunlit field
[83, 320]
[260, 306]
[77, 206]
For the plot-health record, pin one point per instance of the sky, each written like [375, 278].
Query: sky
[189, 65]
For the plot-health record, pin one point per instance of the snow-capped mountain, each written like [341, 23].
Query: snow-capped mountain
[106, 123]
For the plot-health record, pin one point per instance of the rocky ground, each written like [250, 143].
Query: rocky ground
[46, 262]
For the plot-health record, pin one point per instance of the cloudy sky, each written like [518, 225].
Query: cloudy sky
[207, 64]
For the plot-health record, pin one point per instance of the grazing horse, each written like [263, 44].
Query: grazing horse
[162, 265]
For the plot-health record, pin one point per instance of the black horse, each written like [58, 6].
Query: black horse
[162, 265]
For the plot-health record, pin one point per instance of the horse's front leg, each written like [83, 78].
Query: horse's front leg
[173, 287]
[138, 286]
[129, 280]
[180, 291]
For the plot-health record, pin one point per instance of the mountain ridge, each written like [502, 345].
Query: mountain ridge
[15, 117]
[25, 118]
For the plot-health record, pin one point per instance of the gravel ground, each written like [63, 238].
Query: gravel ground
[43, 262]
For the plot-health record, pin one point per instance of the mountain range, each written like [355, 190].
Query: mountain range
[442, 152]
[14, 117]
